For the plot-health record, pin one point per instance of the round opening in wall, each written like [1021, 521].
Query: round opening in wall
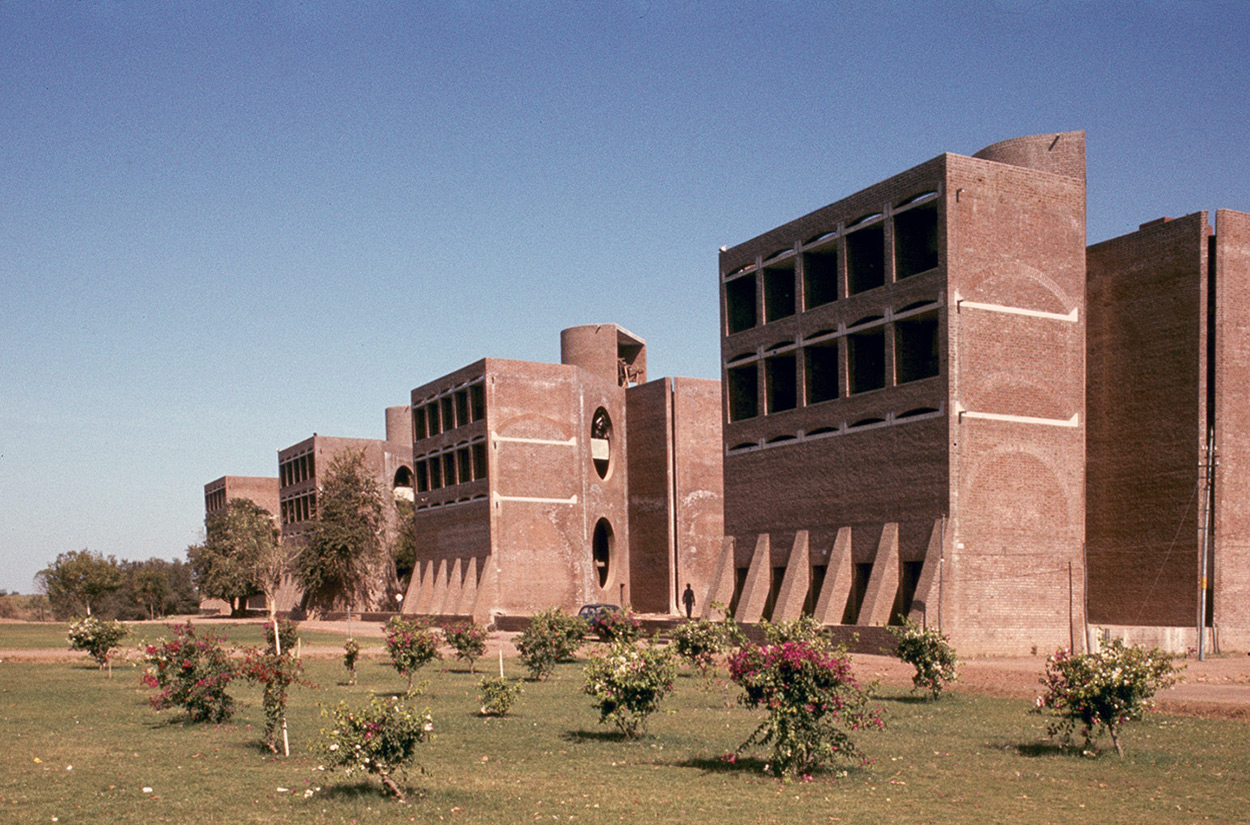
[602, 545]
[601, 442]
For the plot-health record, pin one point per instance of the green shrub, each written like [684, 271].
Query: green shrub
[468, 639]
[812, 700]
[929, 652]
[191, 672]
[699, 641]
[98, 638]
[1103, 690]
[552, 636]
[498, 695]
[288, 634]
[627, 683]
[411, 643]
[803, 629]
[379, 738]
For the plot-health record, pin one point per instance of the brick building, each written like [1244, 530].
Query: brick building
[258, 489]
[1168, 361]
[904, 403]
[543, 484]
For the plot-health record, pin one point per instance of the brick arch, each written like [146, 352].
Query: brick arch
[1023, 488]
[1014, 283]
[1009, 391]
[533, 425]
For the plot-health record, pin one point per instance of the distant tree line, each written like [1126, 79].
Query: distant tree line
[82, 583]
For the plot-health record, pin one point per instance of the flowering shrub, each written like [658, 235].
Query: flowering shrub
[276, 673]
[191, 672]
[698, 642]
[380, 738]
[929, 652]
[803, 629]
[468, 639]
[628, 682]
[552, 636]
[498, 694]
[351, 652]
[813, 703]
[411, 643]
[614, 625]
[1102, 690]
[96, 637]
[287, 634]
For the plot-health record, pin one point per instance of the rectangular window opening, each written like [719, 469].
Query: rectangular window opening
[436, 422]
[781, 383]
[740, 304]
[779, 291]
[449, 469]
[916, 240]
[866, 356]
[820, 278]
[463, 464]
[865, 259]
[916, 353]
[816, 584]
[742, 388]
[423, 477]
[418, 424]
[477, 401]
[821, 372]
[859, 588]
[448, 408]
[462, 407]
[479, 460]
[436, 473]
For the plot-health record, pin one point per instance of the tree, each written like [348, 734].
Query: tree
[78, 578]
[236, 539]
[404, 548]
[345, 540]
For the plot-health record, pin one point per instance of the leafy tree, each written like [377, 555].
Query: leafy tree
[404, 548]
[237, 537]
[77, 579]
[345, 539]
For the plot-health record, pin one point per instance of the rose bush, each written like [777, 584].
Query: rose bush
[699, 642]
[468, 639]
[351, 653]
[813, 702]
[551, 636]
[98, 638]
[190, 671]
[614, 625]
[497, 695]
[379, 739]
[276, 673]
[929, 652]
[412, 644]
[627, 683]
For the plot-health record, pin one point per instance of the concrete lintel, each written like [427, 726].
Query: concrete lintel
[721, 590]
[759, 581]
[883, 583]
[839, 578]
[795, 582]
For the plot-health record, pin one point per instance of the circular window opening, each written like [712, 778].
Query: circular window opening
[601, 441]
[601, 548]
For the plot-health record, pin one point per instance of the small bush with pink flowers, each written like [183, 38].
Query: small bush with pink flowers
[813, 702]
[190, 671]
[412, 644]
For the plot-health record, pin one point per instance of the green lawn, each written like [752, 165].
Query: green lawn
[81, 748]
[51, 635]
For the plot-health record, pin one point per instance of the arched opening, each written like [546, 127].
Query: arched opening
[602, 544]
[601, 441]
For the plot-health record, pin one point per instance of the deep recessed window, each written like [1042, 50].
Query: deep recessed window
[423, 477]
[741, 386]
[821, 371]
[449, 412]
[820, 277]
[779, 290]
[916, 348]
[449, 469]
[462, 407]
[464, 467]
[432, 416]
[477, 401]
[866, 357]
[602, 544]
[865, 259]
[479, 460]
[780, 382]
[601, 442]
[916, 240]
[418, 423]
[740, 304]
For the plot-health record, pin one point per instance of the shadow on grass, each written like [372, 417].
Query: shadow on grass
[717, 764]
[366, 789]
[905, 699]
[1044, 749]
[598, 736]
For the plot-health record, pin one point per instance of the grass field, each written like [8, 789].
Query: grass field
[83, 748]
[51, 635]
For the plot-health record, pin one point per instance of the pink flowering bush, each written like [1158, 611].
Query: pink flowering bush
[699, 642]
[813, 702]
[412, 644]
[627, 684]
[380, 739]
[468, 639]
[1103, 690]
[192, 672]
[613, 625]
[276, 673]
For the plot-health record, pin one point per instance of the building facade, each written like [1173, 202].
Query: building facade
[539, 485]
[904, 384]
[1168, 361]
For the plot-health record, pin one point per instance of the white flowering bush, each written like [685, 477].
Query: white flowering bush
[627, 684]
[379, 739]
[1102, 691]
[929, 652]
[98, 638]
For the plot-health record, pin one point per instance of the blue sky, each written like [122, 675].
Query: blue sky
[224, 227]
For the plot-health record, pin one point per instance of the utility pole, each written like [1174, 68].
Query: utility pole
[1207, 466]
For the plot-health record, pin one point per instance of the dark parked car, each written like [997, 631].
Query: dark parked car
[590, 612]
